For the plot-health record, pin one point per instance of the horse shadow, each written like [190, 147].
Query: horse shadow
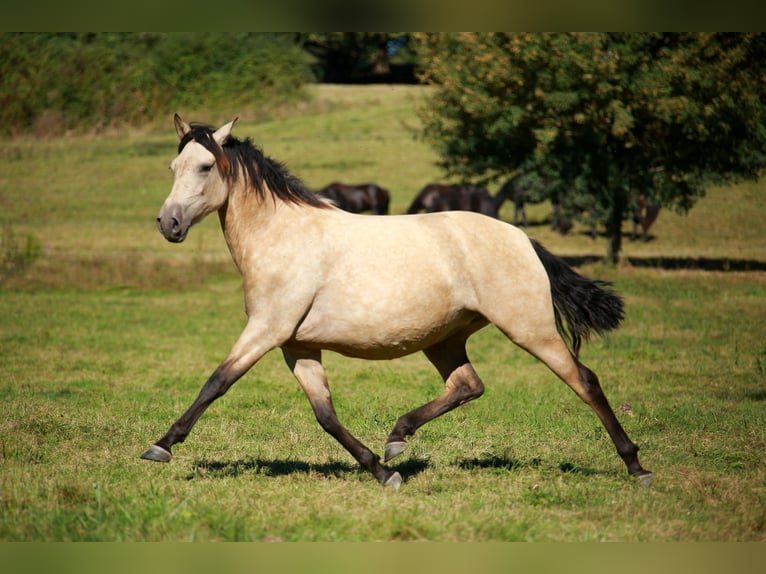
[503, 464]
[408, 469]
[280, 467]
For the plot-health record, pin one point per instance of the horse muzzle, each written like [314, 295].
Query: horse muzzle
[171, 224]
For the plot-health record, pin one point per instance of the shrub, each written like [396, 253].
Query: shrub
[92, 80]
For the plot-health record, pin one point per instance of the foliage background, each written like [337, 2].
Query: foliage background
[52, 83]
[595, 119]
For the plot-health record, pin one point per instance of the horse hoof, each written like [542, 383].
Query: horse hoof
[645, 479]
[394, 481]
[156, 453]
[393, 449]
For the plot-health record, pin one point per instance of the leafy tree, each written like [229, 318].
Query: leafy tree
[605, 116]
[345, 57]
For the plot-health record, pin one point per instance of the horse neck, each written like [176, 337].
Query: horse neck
[244, 218]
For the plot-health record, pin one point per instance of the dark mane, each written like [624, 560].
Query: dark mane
[264, 174]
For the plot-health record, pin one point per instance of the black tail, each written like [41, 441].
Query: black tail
[587, 305]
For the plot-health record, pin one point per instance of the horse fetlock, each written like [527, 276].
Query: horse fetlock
[394, 449]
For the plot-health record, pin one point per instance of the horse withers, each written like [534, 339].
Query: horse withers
[310, 285]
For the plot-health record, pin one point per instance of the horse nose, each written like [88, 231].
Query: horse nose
[174, 227]
[169, 224]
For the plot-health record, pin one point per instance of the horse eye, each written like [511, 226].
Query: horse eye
[206, 168]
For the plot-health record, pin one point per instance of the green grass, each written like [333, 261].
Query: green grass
[107, 335]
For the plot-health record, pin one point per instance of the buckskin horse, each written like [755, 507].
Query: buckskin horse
[309, 285]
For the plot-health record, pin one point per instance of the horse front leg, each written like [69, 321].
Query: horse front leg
[245, 353]
[307, 369]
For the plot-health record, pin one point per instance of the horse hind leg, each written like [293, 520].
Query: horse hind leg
[461, 384]
[307, 369]
[584, 382]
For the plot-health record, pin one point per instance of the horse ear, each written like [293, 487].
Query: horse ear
[224, 132]
[182, 128]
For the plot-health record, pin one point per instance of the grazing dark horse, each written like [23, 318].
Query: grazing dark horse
[358, 198]
[516, 189]
[645, 213]
[310, 284]
[436, 197]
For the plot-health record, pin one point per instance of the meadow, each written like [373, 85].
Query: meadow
[107, 333]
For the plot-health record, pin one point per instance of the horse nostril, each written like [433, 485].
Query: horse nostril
[171, 223]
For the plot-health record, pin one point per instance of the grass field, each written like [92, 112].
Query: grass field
[107, 332]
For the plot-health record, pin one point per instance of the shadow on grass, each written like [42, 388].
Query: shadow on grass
[677, 263]
[235, 468]
[507, 464]
[662, 262]
[408, 469]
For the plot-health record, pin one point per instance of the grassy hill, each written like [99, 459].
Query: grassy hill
[96, 198]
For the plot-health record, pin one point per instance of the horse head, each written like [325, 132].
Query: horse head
[198, 189]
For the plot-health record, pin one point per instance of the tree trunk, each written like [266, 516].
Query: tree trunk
[614, 229]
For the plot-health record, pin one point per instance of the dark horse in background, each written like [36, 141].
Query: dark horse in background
[516, 189]
[357, 198]
[645, 213]
[454, 197]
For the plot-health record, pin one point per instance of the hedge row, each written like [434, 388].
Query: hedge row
[60, 81]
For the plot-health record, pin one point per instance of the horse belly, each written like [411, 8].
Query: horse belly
[389, 340]
[383, 323]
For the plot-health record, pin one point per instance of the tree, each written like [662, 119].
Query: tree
[345, 57]
[605, 116]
